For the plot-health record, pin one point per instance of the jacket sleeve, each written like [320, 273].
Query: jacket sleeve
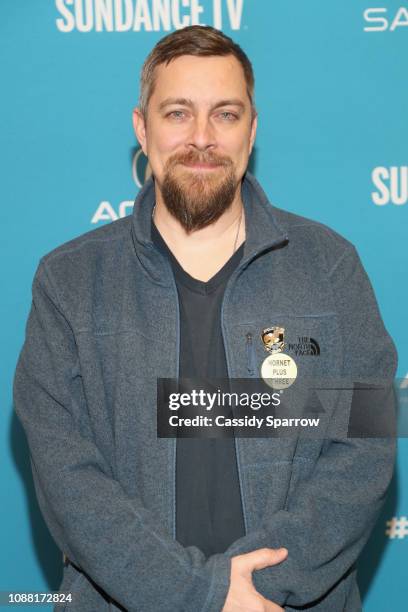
[112, 538]
[331, 511]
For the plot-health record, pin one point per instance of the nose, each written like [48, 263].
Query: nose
[202, 135]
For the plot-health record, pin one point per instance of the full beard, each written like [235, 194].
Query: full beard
[197, 199]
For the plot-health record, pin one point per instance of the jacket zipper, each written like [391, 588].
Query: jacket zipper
[250, 366]
[173, 459]
[177, 375]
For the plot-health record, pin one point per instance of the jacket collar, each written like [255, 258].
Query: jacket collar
[262, 230]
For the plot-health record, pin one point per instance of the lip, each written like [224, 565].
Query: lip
[201, 166]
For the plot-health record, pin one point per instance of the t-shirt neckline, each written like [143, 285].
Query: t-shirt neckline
[185, 278]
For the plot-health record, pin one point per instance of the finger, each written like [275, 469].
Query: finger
[264, 557]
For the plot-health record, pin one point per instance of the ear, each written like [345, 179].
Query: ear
[254, 126]
[140, 128]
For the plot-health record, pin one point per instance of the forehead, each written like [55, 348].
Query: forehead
[200, 78]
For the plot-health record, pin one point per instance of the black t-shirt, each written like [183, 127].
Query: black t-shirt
[208, 500]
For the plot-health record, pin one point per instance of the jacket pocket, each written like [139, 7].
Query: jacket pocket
[267, 484]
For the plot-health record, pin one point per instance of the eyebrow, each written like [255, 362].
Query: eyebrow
[190, 103]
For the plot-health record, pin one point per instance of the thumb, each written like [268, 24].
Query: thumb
[265, 557]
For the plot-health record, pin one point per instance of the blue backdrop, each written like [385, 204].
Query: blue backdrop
[332, 96]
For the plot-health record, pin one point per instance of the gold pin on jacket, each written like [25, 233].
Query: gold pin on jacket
[273, 339]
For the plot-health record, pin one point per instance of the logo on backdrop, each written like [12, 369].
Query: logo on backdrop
[397, 528]
[383, 19]
[146, 15]
[391, 184]
[141, 171]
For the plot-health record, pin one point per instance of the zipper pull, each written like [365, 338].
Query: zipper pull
[250, 354]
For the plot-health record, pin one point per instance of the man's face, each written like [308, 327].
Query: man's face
[198, 136]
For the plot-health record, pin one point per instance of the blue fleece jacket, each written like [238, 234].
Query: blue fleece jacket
[104, 324]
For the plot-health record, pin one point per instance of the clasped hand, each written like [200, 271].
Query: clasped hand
[242, 595]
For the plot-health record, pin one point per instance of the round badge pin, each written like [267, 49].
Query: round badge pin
[278, 370]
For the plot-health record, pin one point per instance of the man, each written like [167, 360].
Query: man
[186, 287]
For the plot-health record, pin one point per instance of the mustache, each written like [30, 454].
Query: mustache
[192, 157]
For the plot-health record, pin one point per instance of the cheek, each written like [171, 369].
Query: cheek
[159, 147]
[167, 139]
[237, 142]
[240, 155]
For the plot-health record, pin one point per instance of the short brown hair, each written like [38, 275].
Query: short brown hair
[192, 40]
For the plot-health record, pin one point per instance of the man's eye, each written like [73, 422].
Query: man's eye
[177, 114]
[228, 116]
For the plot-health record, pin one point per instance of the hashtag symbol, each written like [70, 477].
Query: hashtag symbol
[397, 528]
